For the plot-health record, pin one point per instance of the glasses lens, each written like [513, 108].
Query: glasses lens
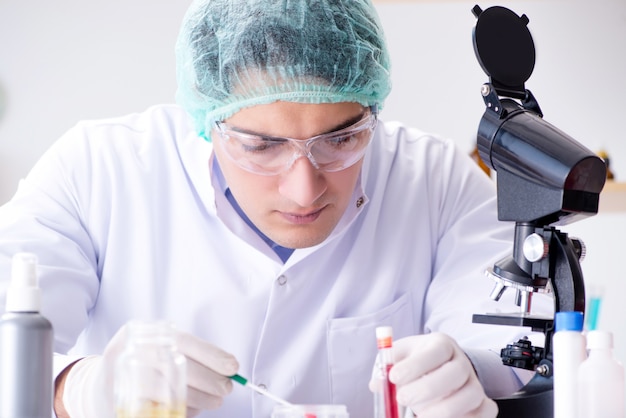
[256, 153]
[268, 155]
[339, 150]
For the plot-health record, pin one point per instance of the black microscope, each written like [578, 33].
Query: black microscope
[544, 178]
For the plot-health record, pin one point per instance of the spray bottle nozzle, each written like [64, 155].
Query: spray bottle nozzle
[23, 294]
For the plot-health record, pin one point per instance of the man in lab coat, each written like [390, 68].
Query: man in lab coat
[275, 221]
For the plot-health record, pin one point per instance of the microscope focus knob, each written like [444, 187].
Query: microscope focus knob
[535, 247]
[580, 248]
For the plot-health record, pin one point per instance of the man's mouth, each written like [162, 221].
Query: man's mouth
[302, 218]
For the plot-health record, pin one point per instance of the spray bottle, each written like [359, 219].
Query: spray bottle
[26, 340]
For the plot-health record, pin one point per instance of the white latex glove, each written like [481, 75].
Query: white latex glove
[435, 379]
[88, 391]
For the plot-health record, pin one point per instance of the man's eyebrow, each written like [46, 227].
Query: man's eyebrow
[347, 123]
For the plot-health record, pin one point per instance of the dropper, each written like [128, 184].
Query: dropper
[244, 382]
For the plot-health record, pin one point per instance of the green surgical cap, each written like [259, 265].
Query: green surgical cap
[233, 54]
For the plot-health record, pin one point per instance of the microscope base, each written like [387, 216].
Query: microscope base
[536, 400]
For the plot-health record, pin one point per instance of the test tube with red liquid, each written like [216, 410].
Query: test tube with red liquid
[384, 339]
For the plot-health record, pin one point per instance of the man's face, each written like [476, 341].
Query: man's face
[299, 207]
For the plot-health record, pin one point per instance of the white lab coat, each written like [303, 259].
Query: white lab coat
[126, 224]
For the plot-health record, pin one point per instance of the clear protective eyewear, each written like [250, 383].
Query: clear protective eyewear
[268, 155]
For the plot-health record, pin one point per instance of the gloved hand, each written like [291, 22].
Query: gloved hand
[88, 391]
[207, 371]
[434, 378]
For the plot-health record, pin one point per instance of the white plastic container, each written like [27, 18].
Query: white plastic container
[601, 380]
[568, 352]
[310, 411]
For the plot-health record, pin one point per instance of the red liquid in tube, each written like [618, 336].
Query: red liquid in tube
[384, 338]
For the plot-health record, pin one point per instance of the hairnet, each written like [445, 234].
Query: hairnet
[233, 54]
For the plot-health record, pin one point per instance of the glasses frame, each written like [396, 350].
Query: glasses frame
[301, 147]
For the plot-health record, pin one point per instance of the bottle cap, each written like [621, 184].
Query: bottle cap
[599, 340]
[23, 294]
[568, 321]
[384, 336]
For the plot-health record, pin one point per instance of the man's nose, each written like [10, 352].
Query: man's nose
[302, 183]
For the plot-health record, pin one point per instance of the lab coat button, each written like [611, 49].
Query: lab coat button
[262, 386]
[282, 280]
[359, 202]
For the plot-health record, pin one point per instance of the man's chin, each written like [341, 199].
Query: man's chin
[299, 239]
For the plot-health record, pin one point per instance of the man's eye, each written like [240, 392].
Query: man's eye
[254, 148]
[261, 146]
[342, 141]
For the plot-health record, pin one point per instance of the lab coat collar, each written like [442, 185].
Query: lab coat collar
[196, 154]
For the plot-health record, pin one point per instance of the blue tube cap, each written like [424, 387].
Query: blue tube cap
[568, 321]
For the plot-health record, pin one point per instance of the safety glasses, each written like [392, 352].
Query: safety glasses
[268, 155]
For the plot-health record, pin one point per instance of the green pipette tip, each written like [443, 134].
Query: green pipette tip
[239, 379]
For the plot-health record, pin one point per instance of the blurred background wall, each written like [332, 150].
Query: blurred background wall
[67, 60]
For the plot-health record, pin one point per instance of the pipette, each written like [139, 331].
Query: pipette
[244, 382]
[593, 306]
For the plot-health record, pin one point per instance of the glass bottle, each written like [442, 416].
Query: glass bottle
[150, 374]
